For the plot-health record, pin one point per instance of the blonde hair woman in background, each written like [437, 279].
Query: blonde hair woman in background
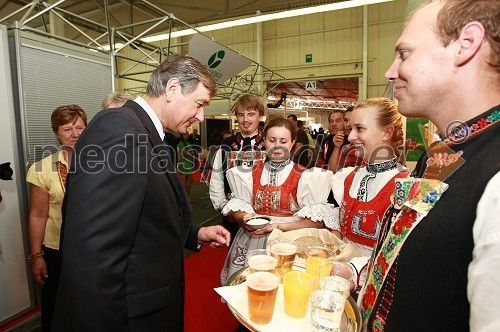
[116, 99]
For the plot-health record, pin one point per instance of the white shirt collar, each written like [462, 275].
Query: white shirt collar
[156, 120]
[252, 135]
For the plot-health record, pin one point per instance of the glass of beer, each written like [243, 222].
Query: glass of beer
[260, 260]
[262, 287]
[284, 251]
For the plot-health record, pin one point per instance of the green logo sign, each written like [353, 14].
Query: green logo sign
[216, 59]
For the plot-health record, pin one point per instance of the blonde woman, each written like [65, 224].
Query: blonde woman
[363, 193]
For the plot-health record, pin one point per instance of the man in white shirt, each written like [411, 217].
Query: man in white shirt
[126, 215]
[249, 111]
[438, 271]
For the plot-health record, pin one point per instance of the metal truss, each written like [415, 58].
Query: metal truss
[141, 57]
[318, 105]
[39, 9]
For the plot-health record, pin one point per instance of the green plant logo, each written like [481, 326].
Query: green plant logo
[216, 59]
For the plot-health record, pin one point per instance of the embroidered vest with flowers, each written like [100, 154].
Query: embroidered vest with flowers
[273, 200]
[360, 222]
[234, 144]
[436, 231]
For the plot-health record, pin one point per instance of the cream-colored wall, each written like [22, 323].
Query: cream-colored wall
[385, 26]
[333, 38]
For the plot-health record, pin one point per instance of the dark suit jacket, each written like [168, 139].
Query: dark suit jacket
[127, 220]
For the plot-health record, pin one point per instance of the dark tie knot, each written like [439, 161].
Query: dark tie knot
[247, 141]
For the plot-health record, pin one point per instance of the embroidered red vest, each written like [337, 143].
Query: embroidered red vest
[280, 201]
[360, 222]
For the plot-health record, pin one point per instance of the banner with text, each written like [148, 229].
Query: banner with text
[222, 62]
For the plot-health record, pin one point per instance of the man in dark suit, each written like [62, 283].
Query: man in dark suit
[195, 138]
[127, 216]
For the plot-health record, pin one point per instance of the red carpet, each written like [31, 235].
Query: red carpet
[20, 320]
[203, 309]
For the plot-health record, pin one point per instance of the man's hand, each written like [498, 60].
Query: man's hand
[217, 236]
[338, 139]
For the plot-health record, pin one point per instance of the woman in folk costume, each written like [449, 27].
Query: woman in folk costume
[293, 196]
[364, 193]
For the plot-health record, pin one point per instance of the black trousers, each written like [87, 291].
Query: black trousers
[49, 289]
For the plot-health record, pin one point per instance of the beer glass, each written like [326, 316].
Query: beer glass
[262, 287]
[260, 260]
[284, 251]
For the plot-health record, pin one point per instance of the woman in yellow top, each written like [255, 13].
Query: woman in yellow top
[47, 179]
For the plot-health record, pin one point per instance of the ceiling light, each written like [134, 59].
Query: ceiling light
[265, 17]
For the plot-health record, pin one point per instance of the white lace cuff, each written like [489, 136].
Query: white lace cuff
[236, 204]
[318, 212]
[333, 222]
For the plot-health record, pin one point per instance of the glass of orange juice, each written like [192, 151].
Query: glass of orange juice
[316, 257]
[297, 285]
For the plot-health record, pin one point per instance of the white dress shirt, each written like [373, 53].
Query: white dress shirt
[216, 187]
[152, 115]
[483, 286]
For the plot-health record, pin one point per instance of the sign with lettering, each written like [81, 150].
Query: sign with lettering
[310, 85]
[222, 62]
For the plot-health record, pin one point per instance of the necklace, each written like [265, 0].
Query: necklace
[274, 169]
[382, 167]
[373, 170]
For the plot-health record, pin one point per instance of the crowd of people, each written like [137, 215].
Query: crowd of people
[107, 246]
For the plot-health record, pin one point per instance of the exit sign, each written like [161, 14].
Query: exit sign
[309, 58]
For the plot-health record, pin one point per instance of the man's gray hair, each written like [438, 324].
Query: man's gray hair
[187, 70]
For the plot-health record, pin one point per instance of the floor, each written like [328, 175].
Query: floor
[203, 214]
